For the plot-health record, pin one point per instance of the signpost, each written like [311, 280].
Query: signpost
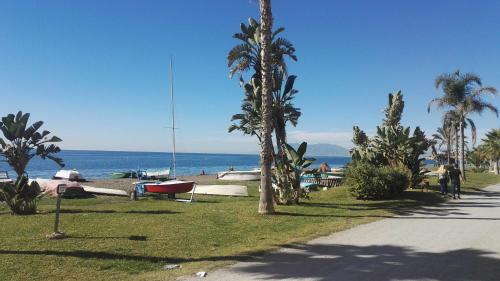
[58, 234]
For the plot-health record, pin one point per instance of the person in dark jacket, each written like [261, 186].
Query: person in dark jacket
[455, 175]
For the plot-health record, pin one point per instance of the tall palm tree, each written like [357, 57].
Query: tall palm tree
[464, 93]
[247, 56]
[492, 148]
[266, 205]
[451, 121]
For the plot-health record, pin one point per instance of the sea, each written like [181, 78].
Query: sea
[100, 164]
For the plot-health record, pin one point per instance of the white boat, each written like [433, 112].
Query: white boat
[70, 175]
[156, 174]
[239, 175]
[228, 190]
[104, 191]
[337, 170]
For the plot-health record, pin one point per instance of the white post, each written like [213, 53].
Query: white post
[58, 234]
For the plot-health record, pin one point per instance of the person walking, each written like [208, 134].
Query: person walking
[455, 181]
[443, 179]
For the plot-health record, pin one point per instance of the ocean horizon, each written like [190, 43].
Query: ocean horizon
[99, 164]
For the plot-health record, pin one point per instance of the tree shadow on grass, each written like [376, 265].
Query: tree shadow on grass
[115, 256]
[413, 217]
[413, 203]
[330, 262]
[86, 211]
[404, 204]
[132, 237]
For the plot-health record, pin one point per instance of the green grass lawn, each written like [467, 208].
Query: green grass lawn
[111, 238]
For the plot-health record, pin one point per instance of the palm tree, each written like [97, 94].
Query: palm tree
[247, 54]
[451, 121]
[492, 148]
[284, 112]
[464, 93]
[477, 156]
[266, 205]
[443, 137]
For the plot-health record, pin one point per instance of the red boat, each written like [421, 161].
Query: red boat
[169, 187]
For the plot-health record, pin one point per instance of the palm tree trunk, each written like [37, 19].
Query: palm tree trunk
[462, 149]
[448, 147]
[279, 144]
[495, 167]
[457, 141]
[266, 205]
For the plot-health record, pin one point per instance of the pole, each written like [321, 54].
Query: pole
[58, 207]
[58, 234]
[173, 113]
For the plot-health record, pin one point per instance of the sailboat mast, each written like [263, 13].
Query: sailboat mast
[173, 114]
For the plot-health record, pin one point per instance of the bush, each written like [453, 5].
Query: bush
[370, 182]
[396, 178]
[21, 197]
[478, 170]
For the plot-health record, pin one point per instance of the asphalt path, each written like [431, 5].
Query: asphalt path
[457, 240]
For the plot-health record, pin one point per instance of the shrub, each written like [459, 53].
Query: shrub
[396, 178]
[287, 175]
[478, 170]
[20, 196]
[21, 143]
[369, 182]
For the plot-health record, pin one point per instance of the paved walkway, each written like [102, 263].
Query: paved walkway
[458, 240]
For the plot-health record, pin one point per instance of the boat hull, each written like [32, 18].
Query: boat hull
[225, 190]
[169, 187]
[123, 175]
[70, 175]
[239, 175]
[104, 191]
[156, 174]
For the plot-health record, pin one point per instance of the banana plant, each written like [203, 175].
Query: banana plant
[287, 176]
[21, 144]
[393, 145]
[21, 196]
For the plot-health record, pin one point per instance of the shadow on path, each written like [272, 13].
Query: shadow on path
[347, 262]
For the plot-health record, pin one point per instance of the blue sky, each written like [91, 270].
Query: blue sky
[97, 71]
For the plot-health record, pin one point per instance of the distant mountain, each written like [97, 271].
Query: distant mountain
[324, 149]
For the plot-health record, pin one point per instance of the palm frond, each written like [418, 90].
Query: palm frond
[484, 90]
[440, 103]
[473, 130]
[471, 78]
